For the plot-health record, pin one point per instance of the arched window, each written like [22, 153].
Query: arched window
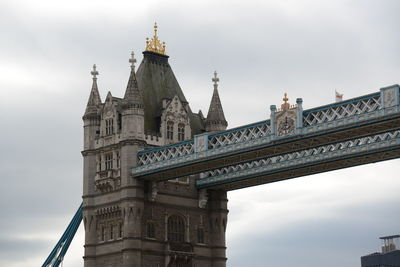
[181, 132]
[176, 229]
[170, 130]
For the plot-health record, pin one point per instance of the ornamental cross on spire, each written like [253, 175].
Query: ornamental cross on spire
[94, 72]
[132, 60]
[215, 79]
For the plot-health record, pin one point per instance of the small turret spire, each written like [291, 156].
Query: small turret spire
[133, 96]
[215, 121]
[94, 98]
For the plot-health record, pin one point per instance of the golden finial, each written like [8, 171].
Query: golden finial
[155, 28]
[285, 104]
[154, 45]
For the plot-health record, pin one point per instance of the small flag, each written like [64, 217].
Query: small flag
[338, 96]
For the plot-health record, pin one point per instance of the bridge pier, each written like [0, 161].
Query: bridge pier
[219, 214]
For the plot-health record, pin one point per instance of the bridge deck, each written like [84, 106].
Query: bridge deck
[348, 120]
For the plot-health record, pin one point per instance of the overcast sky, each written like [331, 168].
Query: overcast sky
[260, 49]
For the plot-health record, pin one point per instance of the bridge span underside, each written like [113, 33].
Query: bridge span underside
[355, 132]
[349, 153]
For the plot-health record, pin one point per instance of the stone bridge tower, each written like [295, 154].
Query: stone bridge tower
[142, 224]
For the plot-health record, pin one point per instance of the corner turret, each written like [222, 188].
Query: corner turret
[132, 107]
[215, 121]
[91, 118]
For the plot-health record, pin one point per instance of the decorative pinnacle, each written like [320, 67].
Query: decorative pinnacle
[215, 79]
[132, 60]
[285, 98]
[285, 104]
[154, 45]
[94, 72]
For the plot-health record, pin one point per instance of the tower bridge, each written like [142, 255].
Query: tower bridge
[156, 174]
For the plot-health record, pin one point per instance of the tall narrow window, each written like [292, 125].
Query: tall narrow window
[109, 126]
[200, 235]
[99, 164]
[103, 233]
[181, 132]
[170, 130]
[109, 161]
[120, 230]
[176, 229]
[119, 121]
[150, 230]
[118, 159]
[111, 231]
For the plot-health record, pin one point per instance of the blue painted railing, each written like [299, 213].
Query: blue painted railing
[353, 110]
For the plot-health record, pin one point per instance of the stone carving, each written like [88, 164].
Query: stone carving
[200, 142]
[203, 198]
[286, 126]
[154, 191]
[175, 111]
[108, 180]
[286, 119]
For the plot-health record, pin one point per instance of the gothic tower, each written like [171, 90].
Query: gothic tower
[147, 224]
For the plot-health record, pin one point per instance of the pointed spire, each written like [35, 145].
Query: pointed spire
[133, 96]
[94, 98]
[215, 118]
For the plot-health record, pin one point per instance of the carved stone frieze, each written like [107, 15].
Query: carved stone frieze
[286, 123]
[108, 180]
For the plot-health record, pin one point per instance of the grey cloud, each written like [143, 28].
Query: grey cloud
[318, 242]
[11, 248]
[260, 50]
